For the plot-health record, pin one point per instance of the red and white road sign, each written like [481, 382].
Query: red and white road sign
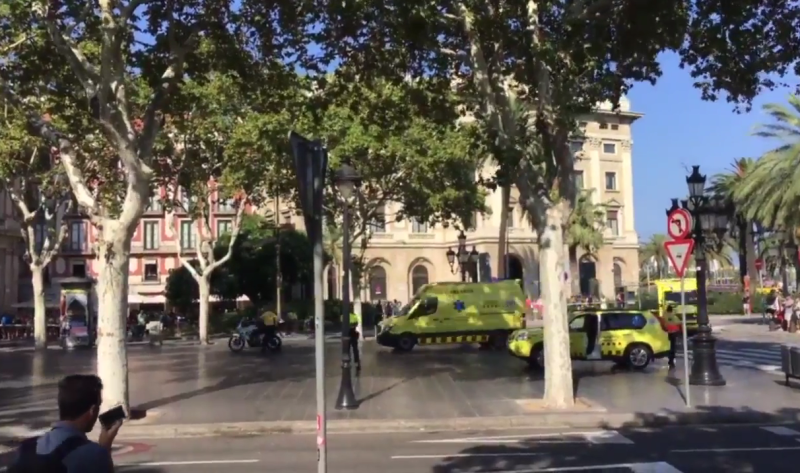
[679, 224]
[679, 252]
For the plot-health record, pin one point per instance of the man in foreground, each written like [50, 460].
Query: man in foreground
[65, 449]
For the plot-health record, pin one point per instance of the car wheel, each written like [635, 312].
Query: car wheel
[638, 356]
[536, 357]
[406, 342]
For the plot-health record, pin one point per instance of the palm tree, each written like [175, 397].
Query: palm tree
[654, 253]
[584, 230]
[770, 192]
[723, 186]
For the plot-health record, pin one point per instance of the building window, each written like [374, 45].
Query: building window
[186, 200]
[151, 234]
[188, 235]
[77, 236]
[611, 181]
[609, 148]
[378, 223]
[510, 217]
[151, 271]
[603, 126]
[582, 125]
[224, 227]
[377, 284]
[154, 204]
[579, 180]
[418, 227]
[575, 146]
[419, 278]
[615, 127]
[612, 222]
[78, 269]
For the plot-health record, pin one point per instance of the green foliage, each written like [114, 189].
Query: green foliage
[251, 270]
[406, 154]
[586, 223]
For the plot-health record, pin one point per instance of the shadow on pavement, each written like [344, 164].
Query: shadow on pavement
[654, 446]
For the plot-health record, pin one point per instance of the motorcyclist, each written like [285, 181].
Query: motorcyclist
[267, 327]
[353, 338]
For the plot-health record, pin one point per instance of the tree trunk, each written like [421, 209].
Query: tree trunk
[502, 238]
[112, 292]
[574, 271]
[39, 308]
[204, 286]
[750, 250]
[558, 387]
[743, 251]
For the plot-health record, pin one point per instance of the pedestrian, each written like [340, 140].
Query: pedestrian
[672, 325]
[65, 449]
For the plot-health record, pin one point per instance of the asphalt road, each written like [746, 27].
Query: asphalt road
[729, 449]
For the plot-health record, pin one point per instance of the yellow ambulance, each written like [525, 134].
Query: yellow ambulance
[457, 313]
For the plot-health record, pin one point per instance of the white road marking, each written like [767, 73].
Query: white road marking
[464, 455]
[186, 463]
[657, 467]
[724, 450]
[598, 436]
[784, 431]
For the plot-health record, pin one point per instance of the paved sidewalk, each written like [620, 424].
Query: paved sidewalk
[193, 391]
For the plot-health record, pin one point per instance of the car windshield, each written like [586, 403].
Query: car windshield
[407, 308]
[675, 297]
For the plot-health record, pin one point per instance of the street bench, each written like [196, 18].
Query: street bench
[790, 361]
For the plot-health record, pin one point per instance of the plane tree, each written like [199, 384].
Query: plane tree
[525, 71]
[104, 71]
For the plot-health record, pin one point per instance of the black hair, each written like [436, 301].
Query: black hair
[77, 394]
[670, 308]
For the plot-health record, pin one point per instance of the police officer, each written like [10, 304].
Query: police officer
[354, 336]
[268, 327]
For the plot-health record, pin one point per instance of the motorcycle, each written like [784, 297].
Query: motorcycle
[247, 335]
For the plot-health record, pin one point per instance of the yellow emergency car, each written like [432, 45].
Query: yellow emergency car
[457, 313]
[627, 337]
[669, 294]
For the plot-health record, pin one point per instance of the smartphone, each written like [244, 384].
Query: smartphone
[112, 416]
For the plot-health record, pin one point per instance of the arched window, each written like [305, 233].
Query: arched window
[419, 278]
[617, 276]
[377, 284]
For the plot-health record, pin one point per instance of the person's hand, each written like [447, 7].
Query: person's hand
[107, 435]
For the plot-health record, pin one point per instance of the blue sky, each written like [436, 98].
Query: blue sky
[680, 130]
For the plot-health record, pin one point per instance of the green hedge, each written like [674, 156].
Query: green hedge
[227, 322]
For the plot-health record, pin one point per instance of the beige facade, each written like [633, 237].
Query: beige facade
[404, 255]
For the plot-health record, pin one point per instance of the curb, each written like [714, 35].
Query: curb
[554, 420]
[534, 421]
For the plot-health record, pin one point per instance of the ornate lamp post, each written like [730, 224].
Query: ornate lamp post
[467, 260]
[709, 216]
[347, 182]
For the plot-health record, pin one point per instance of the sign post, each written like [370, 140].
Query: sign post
[311, 162]
[679, 228]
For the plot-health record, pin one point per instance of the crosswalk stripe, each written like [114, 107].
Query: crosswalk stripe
[783, 431]
[768, 361]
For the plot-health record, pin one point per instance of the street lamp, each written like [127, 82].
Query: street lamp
[347, 181]
[710, 216]
[467, 260]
